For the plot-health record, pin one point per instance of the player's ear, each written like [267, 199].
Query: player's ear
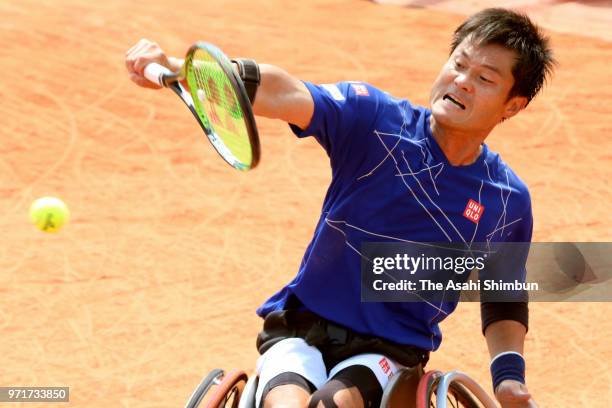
[514, 105]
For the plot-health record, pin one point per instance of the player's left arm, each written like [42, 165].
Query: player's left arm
[505, 340]
[505, 320]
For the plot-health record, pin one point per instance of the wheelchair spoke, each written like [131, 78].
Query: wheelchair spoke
[451, 401]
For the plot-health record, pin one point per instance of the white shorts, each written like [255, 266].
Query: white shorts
[296, 356]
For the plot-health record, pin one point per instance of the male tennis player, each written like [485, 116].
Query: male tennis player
[400, 172]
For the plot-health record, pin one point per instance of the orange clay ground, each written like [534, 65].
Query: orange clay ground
[169, 251]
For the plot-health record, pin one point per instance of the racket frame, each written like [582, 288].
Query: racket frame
[166, 78]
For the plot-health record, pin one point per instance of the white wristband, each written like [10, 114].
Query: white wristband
[505, 353]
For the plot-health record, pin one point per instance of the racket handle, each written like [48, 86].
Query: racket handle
[155, 73]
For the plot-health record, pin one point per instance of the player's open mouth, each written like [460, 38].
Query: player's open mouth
[456, 102]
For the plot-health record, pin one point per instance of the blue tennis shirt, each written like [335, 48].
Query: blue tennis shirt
[392, 182]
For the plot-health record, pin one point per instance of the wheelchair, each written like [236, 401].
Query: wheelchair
[433, 389]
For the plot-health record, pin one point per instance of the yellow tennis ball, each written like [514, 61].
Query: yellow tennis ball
[49, 214]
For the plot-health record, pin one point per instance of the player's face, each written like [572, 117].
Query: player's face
[471, 91]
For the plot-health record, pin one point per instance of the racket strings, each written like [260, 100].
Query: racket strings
[216, 101]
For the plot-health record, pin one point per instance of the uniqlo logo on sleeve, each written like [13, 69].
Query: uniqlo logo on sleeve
[360, 89]
[473, 211]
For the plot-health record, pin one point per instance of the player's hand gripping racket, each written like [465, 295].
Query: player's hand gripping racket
[218, 100]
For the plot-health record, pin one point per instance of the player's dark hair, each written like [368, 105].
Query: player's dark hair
[515, 32]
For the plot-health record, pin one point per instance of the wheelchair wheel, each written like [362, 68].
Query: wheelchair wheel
[456, 396]
[247, 399]
[425, 388]
[203, 387]
[219, 390]
[401, 389]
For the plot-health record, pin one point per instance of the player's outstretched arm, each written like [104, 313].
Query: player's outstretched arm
[279, 96]
[282, 96]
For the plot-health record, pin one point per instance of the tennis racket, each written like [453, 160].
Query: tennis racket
[217, 99]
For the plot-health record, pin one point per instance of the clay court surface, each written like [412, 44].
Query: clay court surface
[169, 251]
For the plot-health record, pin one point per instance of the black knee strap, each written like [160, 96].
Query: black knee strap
[358, 376]
[366, 382]
[326, 395]
[285, 379]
